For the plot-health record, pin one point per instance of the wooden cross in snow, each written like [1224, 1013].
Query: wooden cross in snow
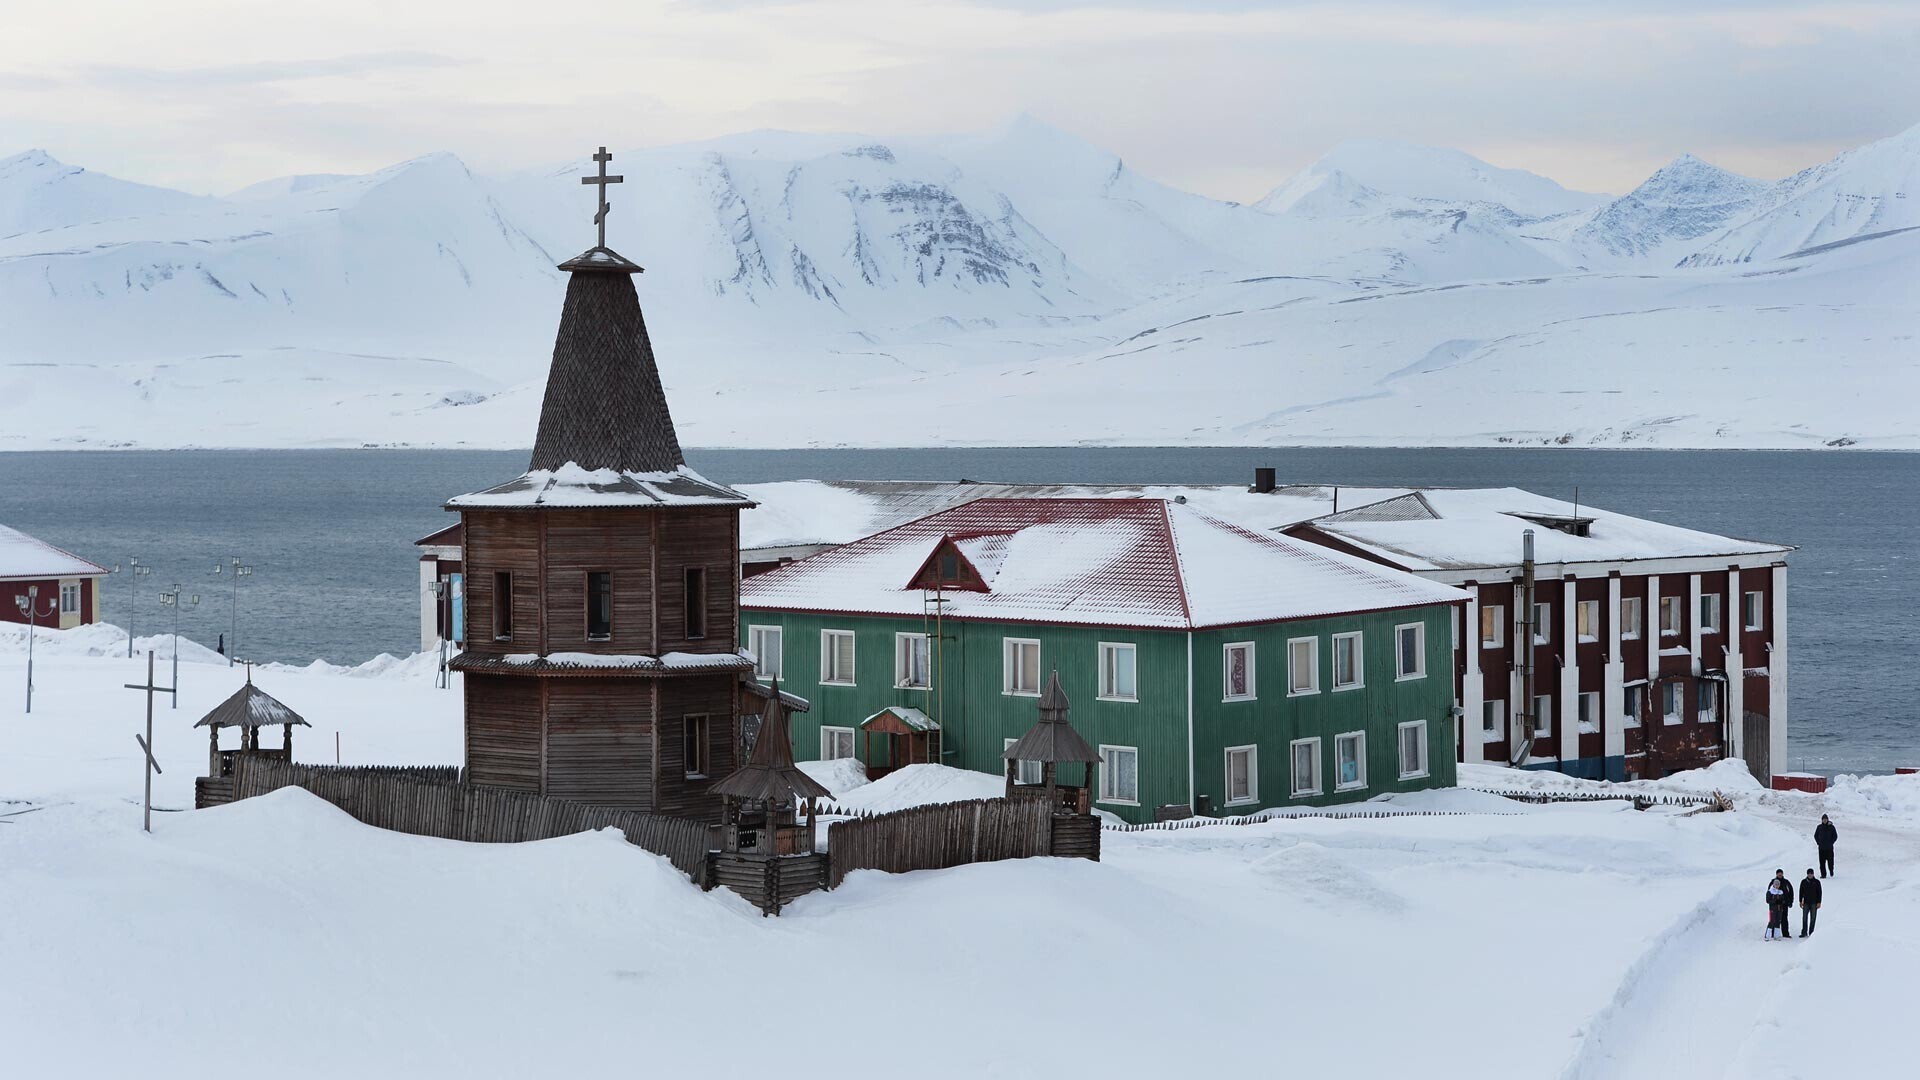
[601, 181]
[146, 744]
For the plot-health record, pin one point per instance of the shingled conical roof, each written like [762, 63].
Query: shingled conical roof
[605, 408]
[1052, 738]
[770, 774]
[250, 707]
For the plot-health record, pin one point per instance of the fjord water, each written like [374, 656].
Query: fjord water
[331, 534]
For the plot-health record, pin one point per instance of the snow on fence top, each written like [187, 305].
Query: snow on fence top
[1449, 529]
[23, 557]
[1137, 562]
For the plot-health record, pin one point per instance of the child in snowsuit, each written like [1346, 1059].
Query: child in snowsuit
[1779, 900]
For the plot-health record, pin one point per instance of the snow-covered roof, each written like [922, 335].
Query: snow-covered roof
[1135, 562]
[250, 707]
[673, 663]
[908, 715]
[23, 557]
[1463, 528]
[810, 513]
[572, 487]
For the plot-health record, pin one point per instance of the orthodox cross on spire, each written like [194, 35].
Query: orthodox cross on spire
[601, 181]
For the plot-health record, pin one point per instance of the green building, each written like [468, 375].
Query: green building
[1213, 666]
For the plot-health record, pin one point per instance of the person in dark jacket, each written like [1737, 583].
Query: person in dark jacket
[1824, 835]
[1809, 903]
[1779, 900]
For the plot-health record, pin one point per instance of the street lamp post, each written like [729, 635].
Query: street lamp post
[134, 571]
[239, 570]
[29, 606]
[174, 600]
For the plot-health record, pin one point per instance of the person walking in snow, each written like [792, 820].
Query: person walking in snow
[1809, 903]
[1824, 835]
[1779, 899]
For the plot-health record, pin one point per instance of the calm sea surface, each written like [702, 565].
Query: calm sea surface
[331, 534]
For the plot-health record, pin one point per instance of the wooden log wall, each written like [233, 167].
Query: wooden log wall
[702, 538]
[580, 542]
[933, 837]
[712, 696]
[599, 742]
[435, 803]
[768, 882]
[503, 732]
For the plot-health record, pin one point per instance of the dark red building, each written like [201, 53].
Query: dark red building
[1653, 648]
[65, 588]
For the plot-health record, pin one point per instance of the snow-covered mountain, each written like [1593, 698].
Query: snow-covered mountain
[1034, 288]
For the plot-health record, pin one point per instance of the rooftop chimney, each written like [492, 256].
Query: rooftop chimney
[1262, 481]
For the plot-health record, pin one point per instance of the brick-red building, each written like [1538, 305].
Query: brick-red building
[69, 586]
[1654, 648]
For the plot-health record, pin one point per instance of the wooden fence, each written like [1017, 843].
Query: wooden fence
[434, 802]
[1638, 798]
[942, 835]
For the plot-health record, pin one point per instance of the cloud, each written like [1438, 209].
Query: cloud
[1222, 96]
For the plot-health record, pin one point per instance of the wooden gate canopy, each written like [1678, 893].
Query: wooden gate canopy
[249, 709]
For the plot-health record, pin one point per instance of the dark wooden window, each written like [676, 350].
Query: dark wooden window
[502, 605]
[949, 566]
[694, 731]
[696, 602]
[599, 605]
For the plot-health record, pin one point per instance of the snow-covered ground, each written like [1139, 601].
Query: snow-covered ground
[1027, 285]
[1576, 940]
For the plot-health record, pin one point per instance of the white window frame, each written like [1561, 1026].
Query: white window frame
[1710, 604]
[1359, 661]
[1109, 657]
[901, 644]
[1541, 716]
[1678, 715]
[1253, 775]
[1106, 776]
[1753, 610]
[1589, 611]
[1419, 652]
[1542, 622]
[1499, 729]
[69, 589]
[1497, 614]
[1677, 605]
[1400, 747]
[1313, 667]
[1313, 788]
[1226, 672]
[756, 642]
[1027, 772]
[1009, 647]
[1359, 739]
[1581, 712]
[827, 638]
[827, 736]
[1630, 626]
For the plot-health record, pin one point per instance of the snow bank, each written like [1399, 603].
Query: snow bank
[922, 785]
[1875, 796]
[1729, 776]
[839, 776]
[101, 639]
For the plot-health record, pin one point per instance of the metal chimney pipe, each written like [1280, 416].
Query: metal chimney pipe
[1263, 481]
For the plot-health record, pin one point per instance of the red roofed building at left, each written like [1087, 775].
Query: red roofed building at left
[68, 586]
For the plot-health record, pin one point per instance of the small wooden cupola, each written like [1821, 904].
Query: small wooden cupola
[763, 800]
[249, 709]
[965, 563]
[1050, 743]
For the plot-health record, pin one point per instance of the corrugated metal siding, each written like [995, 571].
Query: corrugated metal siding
[1273, 720]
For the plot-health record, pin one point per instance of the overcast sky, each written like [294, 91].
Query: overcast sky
[1225, 97]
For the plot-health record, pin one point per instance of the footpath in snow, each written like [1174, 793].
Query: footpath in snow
[1505, 939]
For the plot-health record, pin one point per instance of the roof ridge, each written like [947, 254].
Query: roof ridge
[1179, 561]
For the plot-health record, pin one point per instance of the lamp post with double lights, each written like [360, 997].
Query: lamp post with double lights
[172, 598]
[134, 572]
[29, 606]
[239, 570]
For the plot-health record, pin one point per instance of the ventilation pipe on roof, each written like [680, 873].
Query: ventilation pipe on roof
[1263, 481]
[1522, 745]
